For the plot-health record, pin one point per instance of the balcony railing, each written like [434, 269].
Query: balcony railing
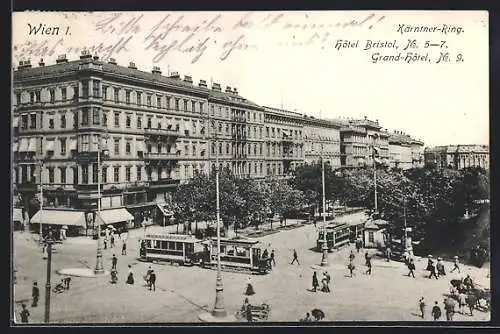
[161, 156]
[161, 132]
[163, 183]
[86, 157]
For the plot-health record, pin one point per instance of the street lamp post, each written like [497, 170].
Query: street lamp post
[99, 267]
[375, 179]
[324, 258]
[41, 200]
[49, 241]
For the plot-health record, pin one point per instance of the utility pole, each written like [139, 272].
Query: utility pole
[99, 266]
[41, 200]
[324, 258]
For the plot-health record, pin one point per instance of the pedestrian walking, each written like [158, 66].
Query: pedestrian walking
[411, 268]
[462, 302]
[326, 282]
[35, 293]
[436, 311]
[315, 283]
[295, 257]
[388, 254]
[152, 280]
[406, 257]
[273, 261]
[352, 256]
[440, 267]
[421, 305]
[432, 270]
[112, 240]
[25, 314]
[114, 261]
[130, 275]
[124, 247]
[369, 265]
[148, 276]
[249, 291]
[67, 282]
[351, 268]
[455, 265]
[105, 242]
[308, 318]
[45, 254]
[449, 307]
[358, 244]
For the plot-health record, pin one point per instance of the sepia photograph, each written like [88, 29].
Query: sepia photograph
[250, 167]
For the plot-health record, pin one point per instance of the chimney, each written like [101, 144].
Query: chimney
[85, 55]
[366, 117]
[188, 79]
[24, 64]
[235, 91]
[112, 61]
[132, 66]
[175, 75]
[61, 59]
[228, 89]
[203, 83]
[41, 63]
[156, 70]
[216, 87]
[96, 58]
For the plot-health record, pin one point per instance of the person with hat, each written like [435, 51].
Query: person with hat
[411, 267]
[436, 311]
[421, 305]
[455, 264]
[433, 270]
[25, 314]
[152, 280]
[35, 293]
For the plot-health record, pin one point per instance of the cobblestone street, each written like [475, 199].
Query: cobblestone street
[184, 292]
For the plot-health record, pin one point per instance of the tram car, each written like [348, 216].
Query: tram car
[172, 248]
[337, 235]
[239, 255]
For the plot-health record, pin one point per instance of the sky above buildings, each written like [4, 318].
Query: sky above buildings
[295, 60]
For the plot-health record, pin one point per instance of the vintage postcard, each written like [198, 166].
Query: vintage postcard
[220, 167]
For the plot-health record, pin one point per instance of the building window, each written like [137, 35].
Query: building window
[201, 107]
[186, 149]
[255, 168]
[116, 174]
[227, 148]
[371, 237]
[116, 146]
[127, 174]
[139, 122]
[85, 143]
[193, 104]
[267, 132]
[52, 93]
[220, 127]
[104, 176]
[127, 97]
[148, 100]
[85, 116]
[158, 101]
[186, 171]
[32, 121]
[63, 121]
[63, 174]
[85, 174]
[85, 89]
[51, 123]
[96, 87]
[185, 105]
[95, 173]
[24, 121]
[37, 96]
[177, 104]
[117, 119]
[51, 174]
[128, 121]
[127, 147]
[139, 173]
[167, 101]
[95, 116]
[194, 150]
[18, 98]
[213, 148]
[150, 121]
[158, 148]
[220, 148]
[105, 119]
[63, 146]
[104, 93]
[116, 94]
[32, 97]
[139, 98]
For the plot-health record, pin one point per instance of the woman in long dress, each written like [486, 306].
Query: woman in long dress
[130, 277]
[250, 291]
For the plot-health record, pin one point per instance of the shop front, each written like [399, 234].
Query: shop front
[119, 218]
[55, 220]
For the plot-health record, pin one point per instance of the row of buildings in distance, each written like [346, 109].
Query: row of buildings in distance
[157, 131]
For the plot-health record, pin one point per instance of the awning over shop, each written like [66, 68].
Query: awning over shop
[72, 144]
[115, 216]
[17, 215]
[23, 145]
[32, 145]
[59, 217]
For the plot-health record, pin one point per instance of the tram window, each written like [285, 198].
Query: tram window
[241, 251]
[230, 250]
[178, 245]
[222, 249]
[155, 244]
[163, 245]
[148, 243]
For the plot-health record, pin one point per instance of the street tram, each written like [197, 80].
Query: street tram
[173, 248]
[240, 255]
[337, 235]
